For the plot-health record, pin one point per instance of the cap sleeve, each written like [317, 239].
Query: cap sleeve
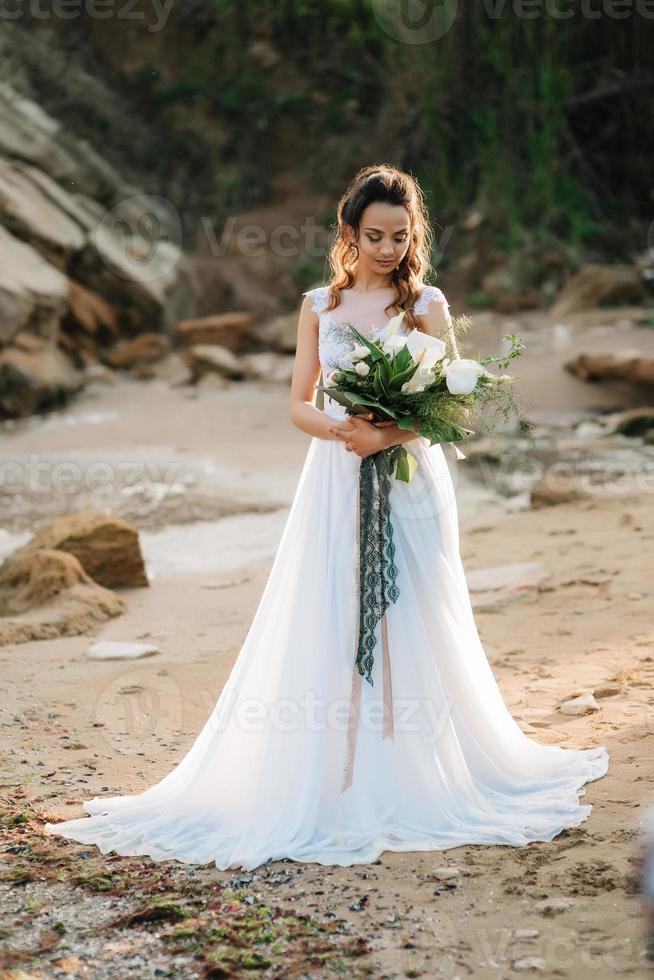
[319, 297]
[429, 296]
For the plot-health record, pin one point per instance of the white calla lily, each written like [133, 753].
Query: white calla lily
[358, 352]
[419, 381]
[425, 349]
[391, 345]
[462, 374]
[393, 325]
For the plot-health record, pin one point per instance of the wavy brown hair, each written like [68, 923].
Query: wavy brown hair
[387, 184]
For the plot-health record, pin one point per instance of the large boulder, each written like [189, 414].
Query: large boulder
[144, 349]
[44, 594]
[27, 132]
[211, 358]
[112, 238]
[146, 278]
[629, 366]
[90, 312]
[600, 285]
[34, 377]
[231, 330]
[107, 547]
[563, 489]
[33, 294]
[27, 212]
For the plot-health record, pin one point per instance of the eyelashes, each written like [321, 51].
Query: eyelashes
[398, 241]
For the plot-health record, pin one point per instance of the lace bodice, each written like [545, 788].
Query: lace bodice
[335, 338]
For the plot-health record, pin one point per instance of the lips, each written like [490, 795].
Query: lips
[386, 261]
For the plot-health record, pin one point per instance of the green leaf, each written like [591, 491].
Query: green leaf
[407, 464]
[402, 359]
[385, 371]
[377, 383]
[405, 423]
[399, 379]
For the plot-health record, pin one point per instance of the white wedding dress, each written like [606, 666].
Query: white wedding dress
[274, 772]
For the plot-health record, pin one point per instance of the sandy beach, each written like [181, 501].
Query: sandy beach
[217, 474]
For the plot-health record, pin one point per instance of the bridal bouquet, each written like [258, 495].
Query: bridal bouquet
[410, 381]
[414, 382]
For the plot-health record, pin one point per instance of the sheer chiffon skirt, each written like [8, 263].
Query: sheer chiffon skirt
[263, 779]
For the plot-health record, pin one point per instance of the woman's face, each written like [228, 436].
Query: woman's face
[384, 233]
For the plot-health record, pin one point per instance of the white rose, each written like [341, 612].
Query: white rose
[461, 375]
[362, 368]
[359, 351]
[425, 349]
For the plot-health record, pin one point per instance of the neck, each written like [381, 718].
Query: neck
[367, 281]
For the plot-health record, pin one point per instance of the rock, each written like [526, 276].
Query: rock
[280, 333]
[520, 935]
[106, 546]
[47, 593]
[268, 366]
[144, 349]
[559, 490]
[28, 213]
[33, 294]
[99, 374]
[34, 376]
[114, 650]
[173, 369]
[537, 963]
[27, 132]
[212, 382]
[608, 691]
[581, 705]
[445, 874]
[553, 906]
[147, 282]
[230, 330]
[629, 366]
[209, 358]
[600, 285]
[632, 422]
[91, 312]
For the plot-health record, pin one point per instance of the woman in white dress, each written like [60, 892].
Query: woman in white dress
[299, 759]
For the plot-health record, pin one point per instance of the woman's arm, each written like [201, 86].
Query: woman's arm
[306, 370]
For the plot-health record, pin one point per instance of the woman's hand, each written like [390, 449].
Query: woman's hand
[361, 435]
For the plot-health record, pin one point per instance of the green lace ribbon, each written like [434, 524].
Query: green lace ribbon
[377, 568]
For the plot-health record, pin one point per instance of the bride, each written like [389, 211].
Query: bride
[298, 758]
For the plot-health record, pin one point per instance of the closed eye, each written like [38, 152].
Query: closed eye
[398, 240]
